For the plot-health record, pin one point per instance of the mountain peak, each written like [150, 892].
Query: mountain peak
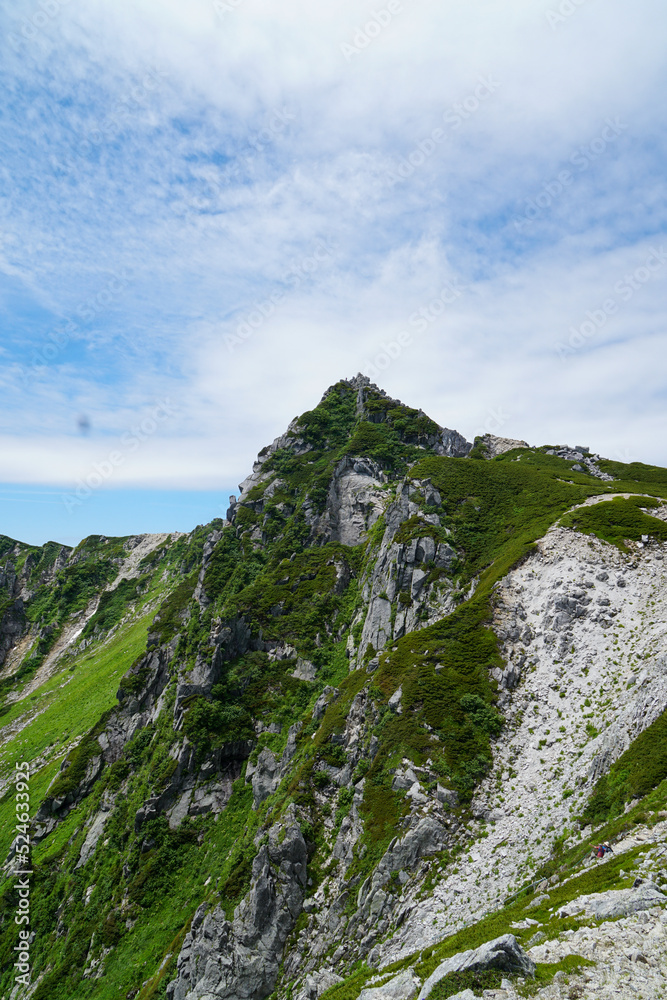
[362, 385]
[349, 722]
[354, 417]
[364, 388]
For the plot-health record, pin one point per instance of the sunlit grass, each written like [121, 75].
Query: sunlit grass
[82, 696]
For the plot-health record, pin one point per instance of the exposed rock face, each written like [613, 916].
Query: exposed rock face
[354, 504]
[504, 953]
[440, 860]
[492, 445]
[317, 983]
[95, 831]
[427, 837]
[627, 956]
[451, 444]
[545, 609]
[241, 958]
[265, 776]
[194, 790]
[617, 902]
[23, 573]
[289, 439]
[404, 986]
[12, 627]
[20, 577]
[584, 461]
[401, 570]
[305, 670]
[210, 544]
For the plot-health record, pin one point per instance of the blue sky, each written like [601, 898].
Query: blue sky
[209, 212]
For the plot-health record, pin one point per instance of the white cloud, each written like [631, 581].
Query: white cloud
[200, 191]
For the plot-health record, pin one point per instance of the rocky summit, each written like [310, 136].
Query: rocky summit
[360, 739]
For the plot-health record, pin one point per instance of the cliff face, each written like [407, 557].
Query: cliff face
[318, 739]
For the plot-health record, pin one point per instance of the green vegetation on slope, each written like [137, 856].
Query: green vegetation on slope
[253, 687]
[293, 599]
[618, 520]
[65, 708]
[641, 768]
[74, 586]
[495, 509]
[636, 472]
[271, 575]
[114, 605]
[93, 566]
[157, 875]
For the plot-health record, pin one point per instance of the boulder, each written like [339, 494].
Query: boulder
[94, 833]
[305, 670]
[617, 902]
[394, 702]
[504, 953]
[402, 987]
[320, 706]
[427, 837]
[447, 796]
[403, 780]
[537, 901]
[317, 983]
[492, 445]
[445, 556]
[354, 502]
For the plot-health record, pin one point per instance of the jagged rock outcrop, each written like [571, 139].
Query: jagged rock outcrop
[421, 775]
[12, 628]
[317, 983]
[491, 445]
[265, 775]
[402, 571]
[95, 830]
[227, 959]
[196, 788]
[439, 440]
[200, 594]
[583, 461]
[354, 503]
[23, 570]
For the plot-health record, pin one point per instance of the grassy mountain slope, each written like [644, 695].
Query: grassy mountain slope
[247, 693]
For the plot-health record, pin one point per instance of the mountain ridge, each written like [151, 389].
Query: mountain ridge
[321, 702]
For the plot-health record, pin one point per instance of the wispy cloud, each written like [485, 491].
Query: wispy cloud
[167, 171]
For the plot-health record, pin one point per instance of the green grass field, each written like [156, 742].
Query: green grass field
[63, 710]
